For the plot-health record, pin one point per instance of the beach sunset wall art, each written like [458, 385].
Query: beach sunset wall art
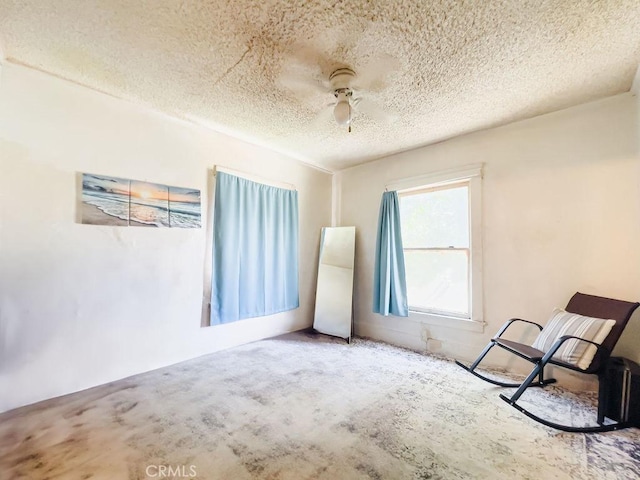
[148, 204]
[184, 207]
[105, 200]
[116, 201]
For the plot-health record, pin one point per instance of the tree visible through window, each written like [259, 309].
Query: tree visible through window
[436, 243]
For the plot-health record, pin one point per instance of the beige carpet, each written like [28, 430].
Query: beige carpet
[305, 406]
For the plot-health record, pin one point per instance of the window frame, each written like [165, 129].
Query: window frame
[430, 189]
[472, 174]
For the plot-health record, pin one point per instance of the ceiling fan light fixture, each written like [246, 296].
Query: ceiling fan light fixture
[342, 112]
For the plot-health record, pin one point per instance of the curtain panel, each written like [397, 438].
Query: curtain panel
[255, 250]
[389, 282]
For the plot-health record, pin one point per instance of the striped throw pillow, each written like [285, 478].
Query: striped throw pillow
[573, 351]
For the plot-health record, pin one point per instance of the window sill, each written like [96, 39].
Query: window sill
[446, 321]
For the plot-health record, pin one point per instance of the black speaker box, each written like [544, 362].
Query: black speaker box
[619, 392]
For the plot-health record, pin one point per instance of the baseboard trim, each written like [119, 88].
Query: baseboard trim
[468, 353]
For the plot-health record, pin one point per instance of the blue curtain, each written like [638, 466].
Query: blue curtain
[389, 282]
[255, 250]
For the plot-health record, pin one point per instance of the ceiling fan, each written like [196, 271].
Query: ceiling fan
[349, 91]
[349, 98]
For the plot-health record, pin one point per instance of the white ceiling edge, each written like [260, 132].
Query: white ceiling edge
[243, 137]
[492, 127]
[188, 120]
[222, 129]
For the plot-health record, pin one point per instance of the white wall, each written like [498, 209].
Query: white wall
[82, 305]
[561, 213]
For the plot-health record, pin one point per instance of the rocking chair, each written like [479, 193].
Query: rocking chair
[580, 338]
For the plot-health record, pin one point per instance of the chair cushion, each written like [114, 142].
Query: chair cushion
[573, 351]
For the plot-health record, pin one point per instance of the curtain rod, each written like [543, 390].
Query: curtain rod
[253, 178]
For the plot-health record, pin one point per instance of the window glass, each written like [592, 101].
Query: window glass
[436, 242]
[438, 218]
[437, 280]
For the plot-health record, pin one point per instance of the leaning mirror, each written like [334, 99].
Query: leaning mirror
[334, 292]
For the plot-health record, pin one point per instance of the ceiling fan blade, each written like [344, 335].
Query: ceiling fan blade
[323, 118]
[372, 110]
[373, 75]
[307, 55]
[303, 84]
[302, 72]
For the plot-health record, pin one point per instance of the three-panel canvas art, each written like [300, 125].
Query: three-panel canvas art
[122, 202]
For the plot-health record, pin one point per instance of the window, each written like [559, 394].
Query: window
[435, 238]
[442, 242]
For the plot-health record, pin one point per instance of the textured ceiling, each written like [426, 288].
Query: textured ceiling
[255, 69]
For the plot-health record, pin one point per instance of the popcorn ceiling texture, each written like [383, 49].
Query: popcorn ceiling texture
[241, 66]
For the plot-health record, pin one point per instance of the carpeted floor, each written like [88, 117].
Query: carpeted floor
[305, 406]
